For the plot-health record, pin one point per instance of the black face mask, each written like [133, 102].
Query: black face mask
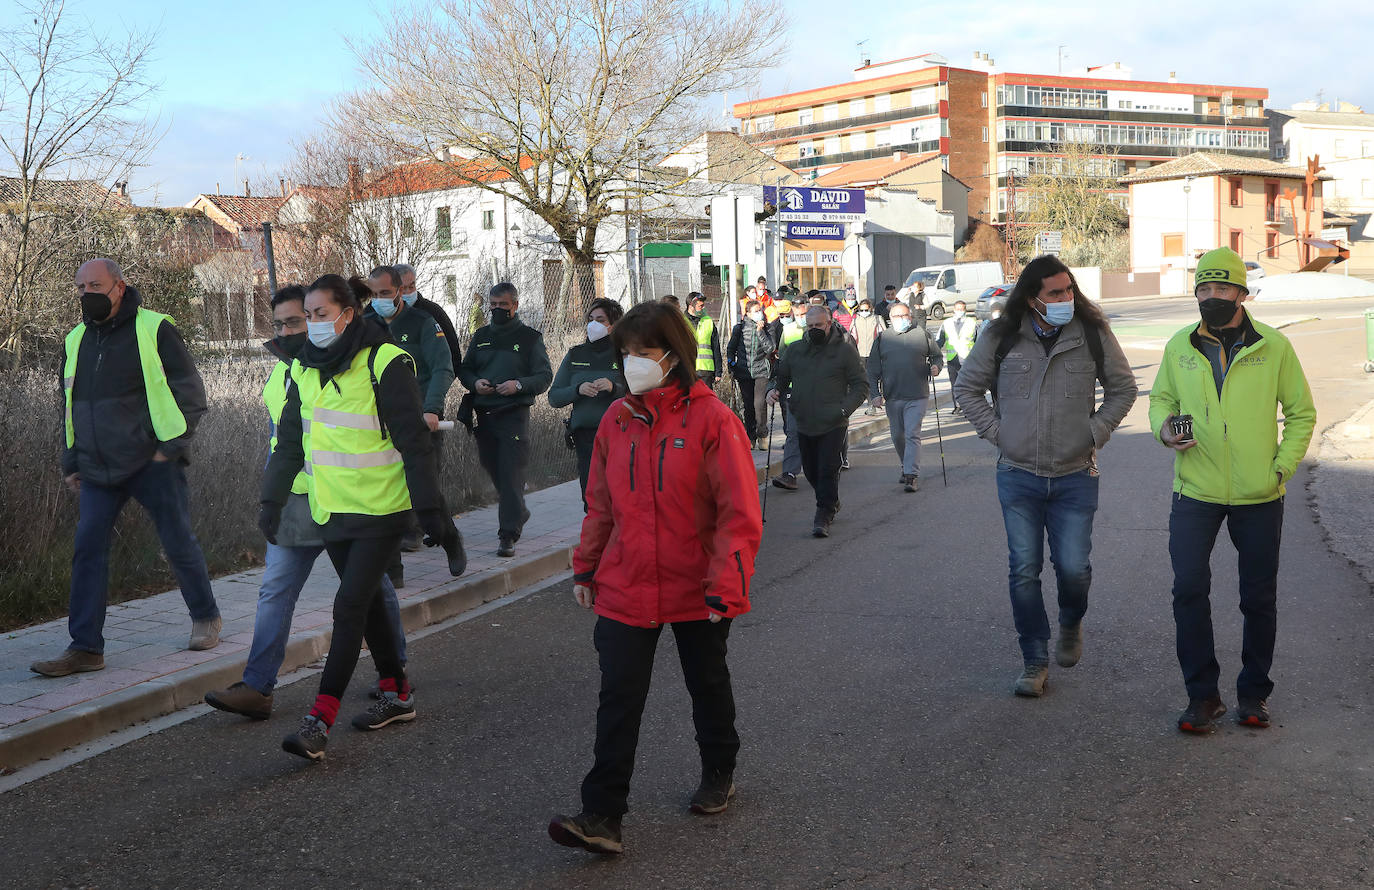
[95, 306]
[815, 336]
[500, 316]
[1217, 312]
[291, 343]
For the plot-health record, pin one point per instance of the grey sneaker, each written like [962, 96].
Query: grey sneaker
[591, 832]
[1069, 647]
[1031, 683]
[73, 661]
[785, 481]
[205, 634]
[1202, 715]
[385, 711]
[309, 741]
[713, 794]
[909, 483]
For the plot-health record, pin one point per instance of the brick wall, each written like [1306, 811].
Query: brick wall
[967, 150]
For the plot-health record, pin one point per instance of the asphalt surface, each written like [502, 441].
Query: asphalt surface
[882, 746]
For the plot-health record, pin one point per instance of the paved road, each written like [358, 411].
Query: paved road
[882, 746]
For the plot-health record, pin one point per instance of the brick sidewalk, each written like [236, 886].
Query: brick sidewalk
[149, 672]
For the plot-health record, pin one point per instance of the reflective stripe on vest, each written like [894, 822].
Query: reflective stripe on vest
[958, 344]
[274, 397]
[168, 421]
[352, 468]
[705, 327]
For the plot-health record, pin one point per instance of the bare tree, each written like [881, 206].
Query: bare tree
[69, 95]
[1071, 192]
[567, 101]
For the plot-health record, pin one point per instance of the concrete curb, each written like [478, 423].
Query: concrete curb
[42, 737]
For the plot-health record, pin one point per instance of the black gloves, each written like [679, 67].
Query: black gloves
[432, 523]
[269, 520]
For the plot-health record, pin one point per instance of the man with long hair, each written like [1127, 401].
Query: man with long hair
[1041, 362]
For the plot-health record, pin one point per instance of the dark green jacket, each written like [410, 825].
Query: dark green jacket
[824, 384]
[584, 363]
[416, 331]
[512, 351]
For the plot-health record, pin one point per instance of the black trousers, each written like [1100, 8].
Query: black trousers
[626, 654]
[820, 457]
[360, 612]
[952, 368]
[583, 441]
[752, 392]
[503, 450]
[1256, 530]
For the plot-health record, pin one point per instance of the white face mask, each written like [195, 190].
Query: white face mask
[643, 374]
[864, 313]
[596, 331]
[756, 316]
[322, 333]
[958, 313]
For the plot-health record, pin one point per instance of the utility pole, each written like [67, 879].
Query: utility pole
[1010, 261]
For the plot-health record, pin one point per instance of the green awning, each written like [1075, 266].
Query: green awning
[668, 249]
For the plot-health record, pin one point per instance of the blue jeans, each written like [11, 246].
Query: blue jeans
[287, 570]
[1032, 507]
[1255, 530]
[161, 488]
[904, 418]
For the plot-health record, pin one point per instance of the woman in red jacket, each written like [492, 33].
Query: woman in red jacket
[670, 536]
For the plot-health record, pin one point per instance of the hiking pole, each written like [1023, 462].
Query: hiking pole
[939, 436]
[768, 461]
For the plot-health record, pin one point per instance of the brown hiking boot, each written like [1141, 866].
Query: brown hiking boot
[240, 698]
[73, 661]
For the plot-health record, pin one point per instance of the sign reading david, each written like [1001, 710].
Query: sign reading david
[803, 204]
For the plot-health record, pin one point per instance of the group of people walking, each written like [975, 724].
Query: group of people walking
[672, 525]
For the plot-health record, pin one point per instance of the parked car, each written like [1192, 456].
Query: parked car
[949, 282]
[998, 293]
[1253, 272]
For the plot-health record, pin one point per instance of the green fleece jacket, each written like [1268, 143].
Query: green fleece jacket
[1239, 457]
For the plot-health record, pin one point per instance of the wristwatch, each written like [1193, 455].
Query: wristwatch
[519, 387]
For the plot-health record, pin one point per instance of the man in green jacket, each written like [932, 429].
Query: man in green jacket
[506, 366]
[1226, 378]
[824, 381]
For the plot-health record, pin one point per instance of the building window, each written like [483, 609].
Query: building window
[407, 227]
[985, 169]
[831, 112]
[944, 163]
[1173, 245]
[832, 145]
[882, 102]
[1236, 240]
[443, 229]
[1271, 244]
[985, 134]
[807, 151]
[884, 137]
[806, 116]
[763, 123]
[489, 220]
[985, 100]
[1271, 201]
[1236, 192]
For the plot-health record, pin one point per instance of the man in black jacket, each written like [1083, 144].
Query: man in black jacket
[505, 368]
[412, 298]
[133, 400]
[899, 371]
[824, 379]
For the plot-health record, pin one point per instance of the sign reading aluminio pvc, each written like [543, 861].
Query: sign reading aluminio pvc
[804, 204]
[828, 257]
[807, 231]
[800, 257]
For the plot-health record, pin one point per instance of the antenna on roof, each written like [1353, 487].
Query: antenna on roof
[863, 58]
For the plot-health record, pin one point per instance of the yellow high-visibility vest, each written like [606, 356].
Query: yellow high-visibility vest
[705, 328]
[274, 397]
[168, 421]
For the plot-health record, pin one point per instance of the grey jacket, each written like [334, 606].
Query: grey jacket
[1047, 421]
[899, 366]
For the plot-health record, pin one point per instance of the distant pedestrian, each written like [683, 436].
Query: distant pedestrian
[369, 456]
[957, 336]
[590, 379]
[899, 370]
[709, 363]
[1229, 376]
[866, 327]
[1041, 363]
[790, 329]
[918, 305]
[749, 355]
[300, 540]
[824, 382]
[506, 366]
[133, 400]
[889, 300]
[670, 537]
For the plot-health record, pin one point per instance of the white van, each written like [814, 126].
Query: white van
[950, 282]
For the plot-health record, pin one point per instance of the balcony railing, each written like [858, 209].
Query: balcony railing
[1149, 151]
[844, 157]
[1127, 116]
[845, 123]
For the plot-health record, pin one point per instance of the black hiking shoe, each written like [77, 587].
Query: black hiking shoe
[1202, 715]
[309, 741]
[596, 834]
[505, 546]
[820, 527]
[1253, 712]
[713, 794]
[785, 481]
[386, 710]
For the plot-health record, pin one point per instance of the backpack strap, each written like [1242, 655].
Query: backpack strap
[376, 390]
[1094, 337]
[1004, 346]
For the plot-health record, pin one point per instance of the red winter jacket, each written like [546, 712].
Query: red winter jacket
[673, 519]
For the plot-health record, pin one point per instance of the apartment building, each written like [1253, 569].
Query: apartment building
[1342, 135]
[990, 127]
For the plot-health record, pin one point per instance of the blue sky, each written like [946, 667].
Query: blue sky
[249, 77]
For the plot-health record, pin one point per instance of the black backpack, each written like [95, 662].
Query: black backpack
[1090, 333]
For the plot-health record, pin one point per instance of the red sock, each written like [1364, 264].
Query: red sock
[326, 709]
[391, 684]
